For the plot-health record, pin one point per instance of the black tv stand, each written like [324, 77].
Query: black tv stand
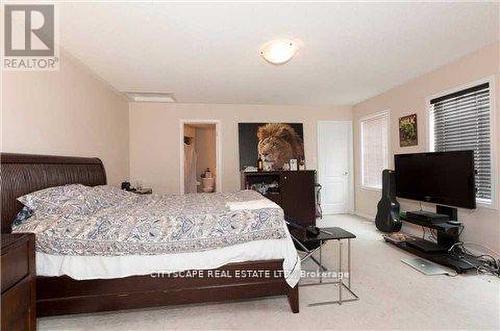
[442, 258]
[425, 245]
[447, 235]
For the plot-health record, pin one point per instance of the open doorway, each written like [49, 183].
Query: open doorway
[200, 155]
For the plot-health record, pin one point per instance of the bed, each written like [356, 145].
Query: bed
[84, 292]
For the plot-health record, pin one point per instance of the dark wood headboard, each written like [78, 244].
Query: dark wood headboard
[25, 173]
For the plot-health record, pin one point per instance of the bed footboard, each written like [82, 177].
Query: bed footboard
[235, 281]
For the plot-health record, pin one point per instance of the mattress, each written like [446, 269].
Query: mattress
[103, 232]
[107, 267]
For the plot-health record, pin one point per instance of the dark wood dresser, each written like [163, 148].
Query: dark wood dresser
[294, 191]
[18, 282]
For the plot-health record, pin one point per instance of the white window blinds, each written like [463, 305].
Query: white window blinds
[461, 121]
[374, 149]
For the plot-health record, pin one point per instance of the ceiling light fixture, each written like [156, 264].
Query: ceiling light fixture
[279, 51]
[150, 97]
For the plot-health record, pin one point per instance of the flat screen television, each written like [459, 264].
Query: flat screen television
[445, 178]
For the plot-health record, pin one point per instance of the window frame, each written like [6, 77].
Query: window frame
[385, 113]
[494, 144]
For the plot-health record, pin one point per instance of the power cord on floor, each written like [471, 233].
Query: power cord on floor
[488, 264]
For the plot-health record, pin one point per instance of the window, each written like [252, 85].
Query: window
[461, 121]
[374, 149]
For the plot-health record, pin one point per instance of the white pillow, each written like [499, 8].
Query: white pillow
[57, 199]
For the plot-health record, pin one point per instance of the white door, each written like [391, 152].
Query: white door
[335, 166]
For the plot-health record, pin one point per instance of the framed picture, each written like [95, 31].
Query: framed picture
[408, 135]
[274, 143]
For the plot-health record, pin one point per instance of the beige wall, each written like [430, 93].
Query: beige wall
[483, 224]
[71, 112]
[66, 112]
[154, 136]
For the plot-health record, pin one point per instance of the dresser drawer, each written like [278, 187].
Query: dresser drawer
[15, 264]
[18, 282]
[15, 307]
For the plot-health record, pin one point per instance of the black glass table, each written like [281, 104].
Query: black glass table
[326, 234]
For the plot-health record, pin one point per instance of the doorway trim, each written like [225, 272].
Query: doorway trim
[218, 152]
[350, 157]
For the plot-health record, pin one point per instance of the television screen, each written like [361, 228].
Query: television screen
[442, 177]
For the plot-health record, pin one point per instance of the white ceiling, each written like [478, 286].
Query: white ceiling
[208, 53]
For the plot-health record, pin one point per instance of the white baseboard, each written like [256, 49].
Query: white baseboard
[363, 215]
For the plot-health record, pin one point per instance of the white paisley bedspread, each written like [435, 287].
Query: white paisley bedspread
[103, 232]
[153, 225]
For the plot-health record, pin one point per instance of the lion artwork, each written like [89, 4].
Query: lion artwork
[278, 143]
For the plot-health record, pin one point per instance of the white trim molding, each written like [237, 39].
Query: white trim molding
[363, 215]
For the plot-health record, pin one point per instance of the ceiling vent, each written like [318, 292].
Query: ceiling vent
[150, 97]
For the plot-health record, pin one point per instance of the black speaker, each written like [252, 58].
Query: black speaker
[387, 219]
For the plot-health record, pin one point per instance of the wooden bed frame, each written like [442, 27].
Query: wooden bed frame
[23, 173]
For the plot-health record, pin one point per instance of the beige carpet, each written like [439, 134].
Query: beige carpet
[393, 296]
